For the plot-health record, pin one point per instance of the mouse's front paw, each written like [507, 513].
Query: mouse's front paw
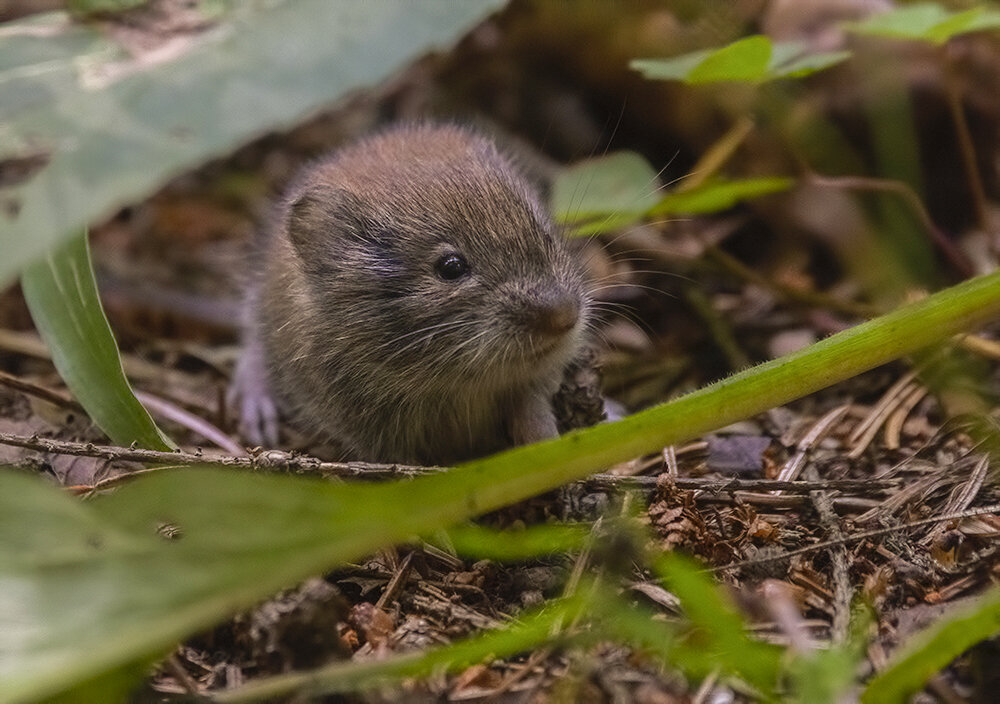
[250, 398]
[533, 421]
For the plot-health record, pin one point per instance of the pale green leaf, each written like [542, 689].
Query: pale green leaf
[928, 22]
[806, 64]
[975, 20]
[619, 187]
[753, 59]
[62, 295]
[676, 68]
[744, 61]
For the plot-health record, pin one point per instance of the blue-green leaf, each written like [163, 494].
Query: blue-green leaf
[102, 128]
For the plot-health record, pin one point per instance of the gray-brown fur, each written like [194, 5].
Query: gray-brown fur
[358, 336]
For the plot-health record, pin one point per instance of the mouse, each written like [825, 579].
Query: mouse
[412, 301]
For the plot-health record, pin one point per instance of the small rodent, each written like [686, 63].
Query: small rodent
[413, 302]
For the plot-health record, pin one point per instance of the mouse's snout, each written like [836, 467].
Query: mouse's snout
[554, 314]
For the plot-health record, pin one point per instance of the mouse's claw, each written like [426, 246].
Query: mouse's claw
[250, 397]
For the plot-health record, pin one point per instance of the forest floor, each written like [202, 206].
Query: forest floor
[901, 510]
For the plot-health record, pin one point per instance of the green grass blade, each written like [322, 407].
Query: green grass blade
[62, 295]
[721, 628]
[475, 541]
[932, 649]
[528, 632]
[527, 471]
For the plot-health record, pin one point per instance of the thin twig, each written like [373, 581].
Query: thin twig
[270, 460]
[39, 391]
[611, 481]
[842, 592]
[396, 582]
[274, 460]
[955, 256]
[163, 408]
[966, 148]
[855, 537]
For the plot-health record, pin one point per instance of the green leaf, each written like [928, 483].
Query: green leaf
[676, 68]
[62, 295]
[753, 59]
[716, 196]
[611, 192]
[911, 22]
[619, 187]
[91, 588]
[105, 129]
[929, 651]
[723, 638]
[927, 22]
[745, 61]
[976, 20]
[807, 64]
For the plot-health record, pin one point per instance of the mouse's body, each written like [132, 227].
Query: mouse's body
[413, 302]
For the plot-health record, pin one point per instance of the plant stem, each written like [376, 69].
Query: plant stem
[527, 471]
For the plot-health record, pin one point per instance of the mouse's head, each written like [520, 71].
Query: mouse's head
[438, 260]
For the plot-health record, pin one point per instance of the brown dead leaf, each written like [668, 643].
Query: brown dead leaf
[372, 623]
[478, 677]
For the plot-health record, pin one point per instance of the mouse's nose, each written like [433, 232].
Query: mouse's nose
[554, 314]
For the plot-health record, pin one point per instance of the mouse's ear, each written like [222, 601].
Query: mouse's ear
[319, 216]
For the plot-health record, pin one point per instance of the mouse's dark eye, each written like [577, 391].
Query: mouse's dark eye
[451, 267]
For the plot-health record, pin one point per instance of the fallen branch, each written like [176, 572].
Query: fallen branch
[277, 461]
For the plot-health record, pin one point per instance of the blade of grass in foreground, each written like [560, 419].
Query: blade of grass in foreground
[528, 632]
[932, 649]
[481, 543]
[527, 471]
[723, 633]
[62, 296]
